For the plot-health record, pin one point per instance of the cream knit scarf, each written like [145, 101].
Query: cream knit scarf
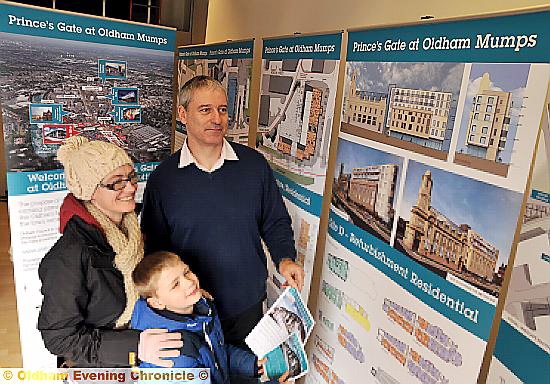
[127, 243]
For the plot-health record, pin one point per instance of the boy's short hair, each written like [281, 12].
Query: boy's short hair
[146, 273]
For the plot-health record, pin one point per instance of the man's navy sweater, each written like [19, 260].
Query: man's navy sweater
[214, 222]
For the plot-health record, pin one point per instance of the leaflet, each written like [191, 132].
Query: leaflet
[288, 315]
[289, 357]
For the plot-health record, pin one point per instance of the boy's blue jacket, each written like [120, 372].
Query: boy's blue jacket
[202, 327]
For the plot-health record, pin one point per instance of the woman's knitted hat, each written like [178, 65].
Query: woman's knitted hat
[87, 162]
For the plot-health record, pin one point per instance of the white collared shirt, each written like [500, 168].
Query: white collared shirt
[187, 158]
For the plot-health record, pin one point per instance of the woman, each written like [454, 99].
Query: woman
[86, 276]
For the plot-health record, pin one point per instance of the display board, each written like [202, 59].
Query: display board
[299, 77]
[64, 74]
[231, 64]
[438, 129]
[526, 317]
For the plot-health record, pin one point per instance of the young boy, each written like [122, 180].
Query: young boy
[171, 298]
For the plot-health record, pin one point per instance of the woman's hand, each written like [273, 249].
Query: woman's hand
[156, 345]
[206, 295]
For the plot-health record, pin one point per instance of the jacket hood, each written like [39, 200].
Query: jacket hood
[70, 207]
[147, 316]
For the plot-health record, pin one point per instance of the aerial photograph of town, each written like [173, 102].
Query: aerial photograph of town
[51, 89]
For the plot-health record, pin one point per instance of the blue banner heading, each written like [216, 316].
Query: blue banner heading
[324, 47]
[540, 195]
[503, 39]
[31, 183]
[459, 306]
[229, 50]
[47, 23]
[298, 195]
[520, 355]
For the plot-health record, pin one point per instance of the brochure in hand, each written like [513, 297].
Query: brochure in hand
[281, 334]
[289, 356]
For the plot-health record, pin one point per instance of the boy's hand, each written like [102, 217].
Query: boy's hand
[282, 379]
[261, 363]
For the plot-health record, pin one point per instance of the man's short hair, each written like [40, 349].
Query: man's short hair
[197, 82]
[147, 272]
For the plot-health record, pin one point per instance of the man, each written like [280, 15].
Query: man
[212, 203]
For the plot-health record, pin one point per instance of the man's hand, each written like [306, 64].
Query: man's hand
[293, 273]
[155, 345]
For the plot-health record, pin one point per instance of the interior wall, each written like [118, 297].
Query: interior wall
[242, 19]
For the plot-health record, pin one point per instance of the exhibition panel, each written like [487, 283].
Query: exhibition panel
[525, 323]
[438, 129]
[299, 77]
[64, 74]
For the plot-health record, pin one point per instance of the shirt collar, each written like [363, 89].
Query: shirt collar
[187, 158]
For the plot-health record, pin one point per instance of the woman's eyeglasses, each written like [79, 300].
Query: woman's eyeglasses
[120, 184]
